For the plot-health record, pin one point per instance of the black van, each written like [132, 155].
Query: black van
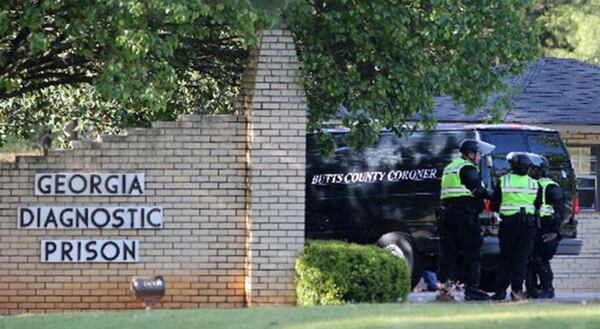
[387, 193]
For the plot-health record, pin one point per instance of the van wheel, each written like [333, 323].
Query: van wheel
[399, 246]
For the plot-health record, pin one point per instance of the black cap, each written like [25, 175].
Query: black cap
[473, 145]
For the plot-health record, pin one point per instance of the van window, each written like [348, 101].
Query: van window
[550, 146]
[505, 142]
[429, 149]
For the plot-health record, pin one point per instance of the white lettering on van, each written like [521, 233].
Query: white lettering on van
[368, 177]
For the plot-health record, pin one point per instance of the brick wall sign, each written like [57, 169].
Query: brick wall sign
[89, 216]
[77, 224]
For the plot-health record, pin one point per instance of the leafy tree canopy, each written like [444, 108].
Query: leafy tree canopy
[570, 28]
[384, 60]
[116, 63]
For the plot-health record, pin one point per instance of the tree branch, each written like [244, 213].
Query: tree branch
[15, 44]
[72, 80]
[38, 64]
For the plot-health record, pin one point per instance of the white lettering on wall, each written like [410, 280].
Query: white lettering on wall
[95, 251]
[89, 184]
[90, 217]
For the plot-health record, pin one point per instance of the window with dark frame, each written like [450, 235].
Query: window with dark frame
[585, 164]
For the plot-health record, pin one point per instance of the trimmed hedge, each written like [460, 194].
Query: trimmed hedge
[335, 272]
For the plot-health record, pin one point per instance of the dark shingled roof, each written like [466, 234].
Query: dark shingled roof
[552, 91]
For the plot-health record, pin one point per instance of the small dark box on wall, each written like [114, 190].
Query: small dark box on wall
[148, 290]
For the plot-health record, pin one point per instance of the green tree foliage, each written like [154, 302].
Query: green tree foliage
[335, 272]
[273, 7]
[116, 63]
[384, 60]
[570, 28]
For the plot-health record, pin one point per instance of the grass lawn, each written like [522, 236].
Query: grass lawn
[472, 316]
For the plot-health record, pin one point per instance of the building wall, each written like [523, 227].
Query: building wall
[232, 192]
[275, 106]
[573, 137]
[581, 273]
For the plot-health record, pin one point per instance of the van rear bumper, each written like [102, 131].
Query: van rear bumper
[567, 246]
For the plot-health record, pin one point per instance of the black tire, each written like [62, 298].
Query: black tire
[398, 244]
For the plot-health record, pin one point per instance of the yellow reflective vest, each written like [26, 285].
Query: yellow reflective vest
[451, 185]
[518, 191]
[546, 209]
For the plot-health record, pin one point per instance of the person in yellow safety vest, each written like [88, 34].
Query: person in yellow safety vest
[552, 215]
[462, 199]
[516, 198]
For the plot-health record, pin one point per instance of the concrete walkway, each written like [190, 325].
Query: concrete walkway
[579, 297]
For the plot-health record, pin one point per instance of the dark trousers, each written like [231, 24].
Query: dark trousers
[539, 262]
[460, 232]
[516, 237]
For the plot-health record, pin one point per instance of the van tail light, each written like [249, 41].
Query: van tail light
[488, 217]
[576, 205]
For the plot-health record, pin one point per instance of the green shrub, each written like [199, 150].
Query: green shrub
[335, 272]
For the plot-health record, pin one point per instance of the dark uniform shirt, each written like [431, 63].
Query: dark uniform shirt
[470, 177]
[555, 197]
